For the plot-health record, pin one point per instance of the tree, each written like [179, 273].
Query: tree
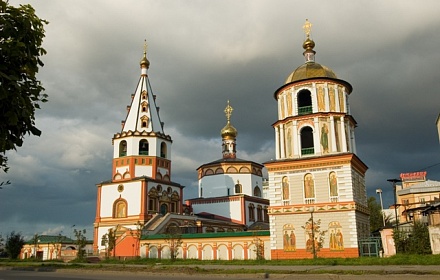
[137, 234]
[174, 240]
[376, 215]
[415, 241]
[13, 245]
[20, 91]
[81, 242]
[315, 236]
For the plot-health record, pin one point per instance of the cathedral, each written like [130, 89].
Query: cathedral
[313, 203]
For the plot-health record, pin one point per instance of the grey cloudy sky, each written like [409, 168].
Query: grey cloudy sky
[203, 53]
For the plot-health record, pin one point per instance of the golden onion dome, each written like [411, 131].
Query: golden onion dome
[310, 70]
[144, 61]
[229, 132]
[308, 44]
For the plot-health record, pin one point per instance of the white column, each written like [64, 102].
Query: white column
[295, 139]
[314, 98]
[277, 142]
[333, 134]
[282, 146]
[353, 141]
[343, 136]
[316, 137]
[350, 147]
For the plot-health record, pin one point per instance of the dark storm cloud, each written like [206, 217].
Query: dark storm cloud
[203, 54]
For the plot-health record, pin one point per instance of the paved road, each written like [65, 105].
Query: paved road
[267, 272]
[107, 275]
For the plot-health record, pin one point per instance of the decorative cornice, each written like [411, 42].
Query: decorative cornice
[140, 134]
[321, 208]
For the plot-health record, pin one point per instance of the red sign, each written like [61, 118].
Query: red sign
[413, 176]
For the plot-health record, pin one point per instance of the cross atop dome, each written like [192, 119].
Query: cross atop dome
[307, 28]
[228, 112]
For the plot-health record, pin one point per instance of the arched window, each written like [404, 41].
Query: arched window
[259, 213]
[163, 150]
[238, 187]
[120, 208]
[307, 146]
[266, 214]
[143, 147]
[144, 121]
[304, 102]
[257, 191]
[163, 208]
[123, 148]
[144, 107]
[251, 209]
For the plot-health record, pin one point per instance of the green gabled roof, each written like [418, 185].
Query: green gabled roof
[210, 235]
[51, 239]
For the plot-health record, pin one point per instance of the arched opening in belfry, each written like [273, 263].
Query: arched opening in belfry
[304, 102]
[163, 150]
[143, 147]
[307, 147]
[123, 148]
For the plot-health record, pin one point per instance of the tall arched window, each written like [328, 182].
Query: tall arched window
[251, 209]
[259, 213]
[257, 191]
[143, 147]
[123, 148]
[307, 146]
[120, 208]
[304, 102]
[238, 187]
[163, 150]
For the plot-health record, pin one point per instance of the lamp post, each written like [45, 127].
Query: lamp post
[312, 209]
[379, 191]
[394, 181]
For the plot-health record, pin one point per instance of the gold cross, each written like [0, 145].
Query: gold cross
[228, 111]
[307, 28]
[145, 46]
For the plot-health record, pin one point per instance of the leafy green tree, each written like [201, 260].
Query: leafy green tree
[13, 245]
[81, 242]
[316, 236]
[1, 245]
[415, 241]
[376, 216]
[22, 33]
[174, 240]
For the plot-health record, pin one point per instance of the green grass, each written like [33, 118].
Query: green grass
[400, 259]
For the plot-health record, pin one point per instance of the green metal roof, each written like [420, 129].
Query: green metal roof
[209, 235]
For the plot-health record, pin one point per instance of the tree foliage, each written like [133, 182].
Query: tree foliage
[81, 242]
[316, 236]
[174, 240]
[22, 33]
[415, 241]
[376, 215]
[13, 245]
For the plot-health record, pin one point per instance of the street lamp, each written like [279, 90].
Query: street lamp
[394, 181]
[379, 191]
[312, 209]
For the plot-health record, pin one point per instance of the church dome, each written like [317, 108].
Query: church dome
[144, 62]
[229, 132]
[310, 70]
